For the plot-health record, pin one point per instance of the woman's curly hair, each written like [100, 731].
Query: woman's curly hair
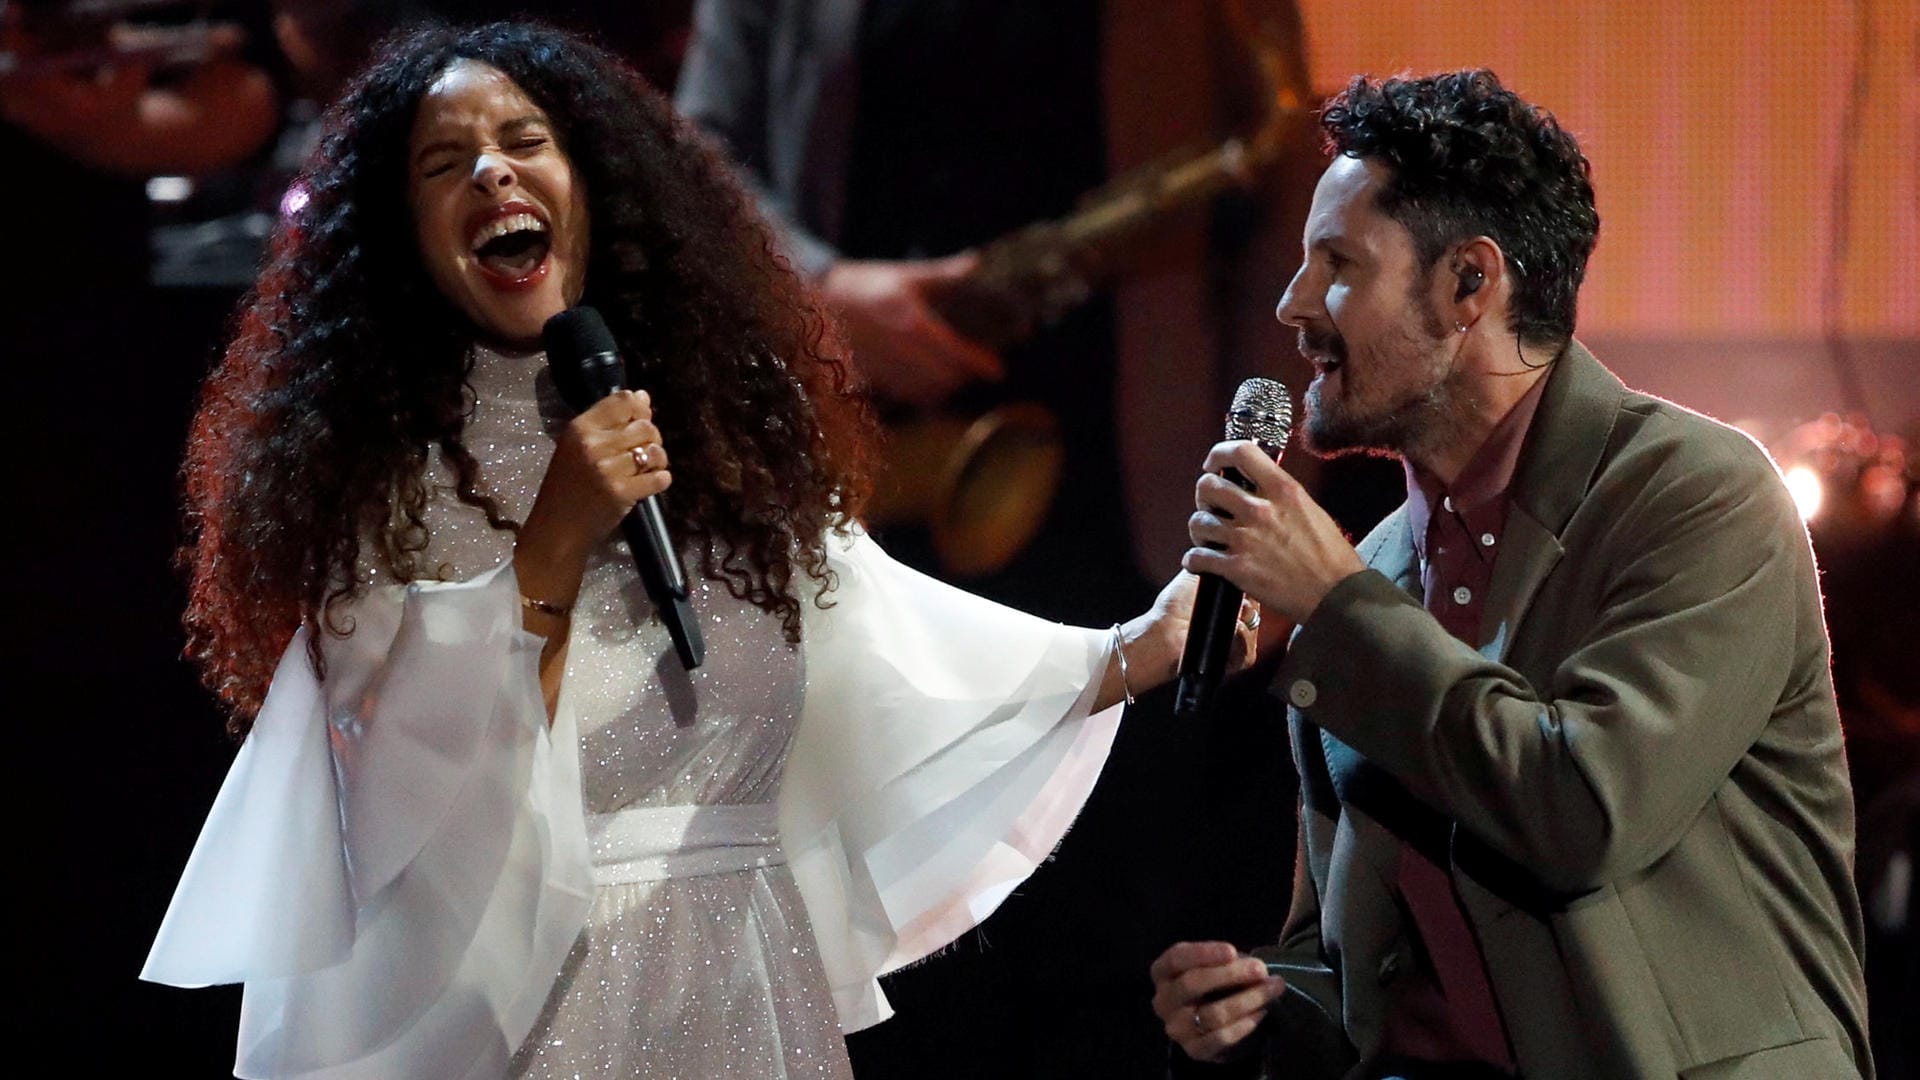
[1468, 157]
[348, 368]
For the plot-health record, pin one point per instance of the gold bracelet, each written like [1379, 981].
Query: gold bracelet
[544, 607]
[1119, 650]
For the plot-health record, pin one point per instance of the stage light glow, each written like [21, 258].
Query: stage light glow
[169, 189]
[294, 200]
[1807, 490]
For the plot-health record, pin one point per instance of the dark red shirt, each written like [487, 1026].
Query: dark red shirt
[1442, 1009]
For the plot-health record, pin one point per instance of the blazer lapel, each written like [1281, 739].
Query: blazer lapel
[1529, 552]
[1359, 783]
[1564, 448]
[1389, 551]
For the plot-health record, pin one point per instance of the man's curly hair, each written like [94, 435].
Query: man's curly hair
[1467, 157]
[348, 368]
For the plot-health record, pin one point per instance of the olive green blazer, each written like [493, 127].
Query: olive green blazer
[1637, 776]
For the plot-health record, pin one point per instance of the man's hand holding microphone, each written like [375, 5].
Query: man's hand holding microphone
[1255, 530]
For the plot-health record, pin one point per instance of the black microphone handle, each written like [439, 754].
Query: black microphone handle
[645, 528]
[654, 553]
[1203, 663]
[1216, 607]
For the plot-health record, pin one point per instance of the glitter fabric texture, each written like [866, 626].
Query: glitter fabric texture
[689, 967]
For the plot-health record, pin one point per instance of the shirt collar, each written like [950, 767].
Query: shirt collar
[1487, 474]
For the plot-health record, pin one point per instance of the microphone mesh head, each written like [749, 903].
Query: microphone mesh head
[1263, 412]
[583, 357]
[576, 333]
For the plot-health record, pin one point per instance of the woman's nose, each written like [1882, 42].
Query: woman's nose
[491, 171]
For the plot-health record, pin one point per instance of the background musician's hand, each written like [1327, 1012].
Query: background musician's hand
[902, 348]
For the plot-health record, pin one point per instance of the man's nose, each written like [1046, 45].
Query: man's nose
[1293, 309]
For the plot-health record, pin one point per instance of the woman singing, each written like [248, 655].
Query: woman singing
[483, 822]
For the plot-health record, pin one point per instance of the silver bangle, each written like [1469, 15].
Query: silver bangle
[1119, 650]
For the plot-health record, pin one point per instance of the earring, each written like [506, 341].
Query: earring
[1460, 326]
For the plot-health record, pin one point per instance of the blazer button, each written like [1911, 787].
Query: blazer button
[1302, 693]
[1389, 967]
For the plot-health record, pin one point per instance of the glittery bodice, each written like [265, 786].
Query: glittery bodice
[652, 734]
[709, 975]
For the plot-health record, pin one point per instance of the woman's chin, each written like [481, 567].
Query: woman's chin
[510, 342]
[517, 326]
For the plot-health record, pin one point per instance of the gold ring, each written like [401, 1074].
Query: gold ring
[643, 458]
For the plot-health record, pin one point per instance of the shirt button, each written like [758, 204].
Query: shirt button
[1302, 693]
[1462, 594]
[1389, 967]
[1486, 539]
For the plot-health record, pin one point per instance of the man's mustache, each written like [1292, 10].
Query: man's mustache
[1323, 343]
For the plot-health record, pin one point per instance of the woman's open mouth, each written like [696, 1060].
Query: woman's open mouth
[510, 247]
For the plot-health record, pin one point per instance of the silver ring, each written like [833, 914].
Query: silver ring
[1252, 623]
[643, 458]
[1198, 1027]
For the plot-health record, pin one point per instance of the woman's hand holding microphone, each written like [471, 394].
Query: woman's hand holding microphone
[605, 460]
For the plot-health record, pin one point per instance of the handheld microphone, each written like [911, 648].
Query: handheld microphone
[1263, 412]
[586, 367]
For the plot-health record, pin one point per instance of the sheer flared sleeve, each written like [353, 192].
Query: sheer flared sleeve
[396, 865]
[945, 745]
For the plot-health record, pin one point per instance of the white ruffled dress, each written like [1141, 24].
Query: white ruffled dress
[688, 875]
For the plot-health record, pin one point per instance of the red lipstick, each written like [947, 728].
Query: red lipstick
[501, 281]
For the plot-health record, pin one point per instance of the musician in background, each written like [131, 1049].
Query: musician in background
[887, 140]
[134, 99]
[87, 112]
[890, 137]
[93, 102]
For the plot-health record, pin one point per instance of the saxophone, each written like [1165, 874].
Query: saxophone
[983, 484]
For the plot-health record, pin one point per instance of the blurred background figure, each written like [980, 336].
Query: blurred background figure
[1074, 205]
[211, 231]
[97, 97]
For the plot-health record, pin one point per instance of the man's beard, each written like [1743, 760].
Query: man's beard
[1420, 420]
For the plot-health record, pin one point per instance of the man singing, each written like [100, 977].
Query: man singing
[1573, 797]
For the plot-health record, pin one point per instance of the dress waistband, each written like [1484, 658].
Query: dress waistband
[654, 843]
